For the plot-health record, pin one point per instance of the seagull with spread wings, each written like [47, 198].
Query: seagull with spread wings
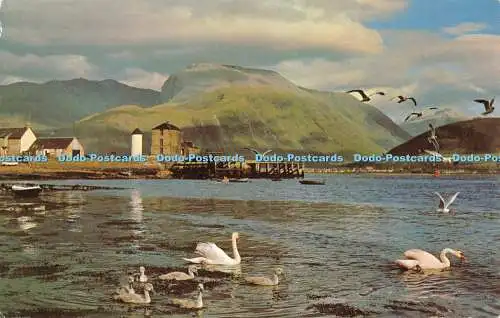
[365, 97]
[405, 98]
[488, 105]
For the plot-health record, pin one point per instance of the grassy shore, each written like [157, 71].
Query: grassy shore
[153, 170]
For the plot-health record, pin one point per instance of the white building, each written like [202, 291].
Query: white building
[15, 141]
[136, 149]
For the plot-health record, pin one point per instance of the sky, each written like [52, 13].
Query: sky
[442, 52]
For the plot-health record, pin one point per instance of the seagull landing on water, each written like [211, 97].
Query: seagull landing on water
[488, 105]
[443, 206]
[366, 98]
[405, 98]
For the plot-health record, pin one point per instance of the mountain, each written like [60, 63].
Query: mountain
[437, 118]
[475, 136]
[201, 78]
[59, 103]
[230, 107]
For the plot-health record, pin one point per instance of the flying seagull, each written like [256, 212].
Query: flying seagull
[433, 138]
[488, 105]
[413, 114]
[258, 153]
[443, 205]
[405, 98]
[437, 154]
[366, 98]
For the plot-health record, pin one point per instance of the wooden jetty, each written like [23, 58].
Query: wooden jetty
[247, 169]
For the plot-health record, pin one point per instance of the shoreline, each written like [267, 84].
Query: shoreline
[165, 175]
[146, 171]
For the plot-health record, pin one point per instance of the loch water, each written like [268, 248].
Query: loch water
[64, 254]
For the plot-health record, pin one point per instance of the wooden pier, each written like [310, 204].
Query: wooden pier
[247, 169]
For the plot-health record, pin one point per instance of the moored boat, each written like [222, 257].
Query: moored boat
[312, 182]
[26, 191]
[239, 180]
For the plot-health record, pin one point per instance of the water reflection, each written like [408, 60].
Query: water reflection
[29, 249]
[26, 223]
[136, 215]
[73, 209]
[136, 207]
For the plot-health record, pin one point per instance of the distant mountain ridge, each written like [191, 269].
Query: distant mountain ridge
[58, 103]
[437, 118]
[243, 107]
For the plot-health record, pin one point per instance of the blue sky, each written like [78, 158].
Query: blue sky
[433, 15]
[444, 52]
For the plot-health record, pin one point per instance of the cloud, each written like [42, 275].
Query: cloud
[435, 70]
[291, 24]
[466, 27]
[36, 68]
[137, 77]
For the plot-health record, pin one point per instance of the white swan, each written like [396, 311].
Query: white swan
[211, 254]
[419, 259]
[136, 298]
[265, 281]
[127, 289]
[180, 275]
[141, 276]
[443, 205]
[191, 303]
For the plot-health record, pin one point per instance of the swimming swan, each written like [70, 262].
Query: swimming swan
[136, 298]
[265, 281]
[191, 303]
[419, 259]
[180, 275]
[141, 276]
[211, 254]
[127, 289]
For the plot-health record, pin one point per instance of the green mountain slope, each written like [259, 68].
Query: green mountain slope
[264, 116]
[59, 103]
[205, 77]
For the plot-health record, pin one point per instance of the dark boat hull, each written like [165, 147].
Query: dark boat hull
[311, 182]
[27, 193]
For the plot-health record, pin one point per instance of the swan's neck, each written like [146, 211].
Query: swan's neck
[190, 273]
[444, 259]
[236, 255]
[146, 296]
[275, 279]
[199, 300]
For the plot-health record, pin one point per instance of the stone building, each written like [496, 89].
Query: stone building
[166, 139]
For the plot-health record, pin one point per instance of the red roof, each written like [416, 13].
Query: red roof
[12, 133]
[53, 143]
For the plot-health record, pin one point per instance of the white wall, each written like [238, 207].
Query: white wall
[136, 149]
[27, 139]
[75, 145]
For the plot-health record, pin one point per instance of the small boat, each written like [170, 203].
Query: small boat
[10, 163]
[24, 191]
[311, 182]
[239, 180]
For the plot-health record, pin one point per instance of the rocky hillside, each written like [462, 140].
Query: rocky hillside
[479, 135]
